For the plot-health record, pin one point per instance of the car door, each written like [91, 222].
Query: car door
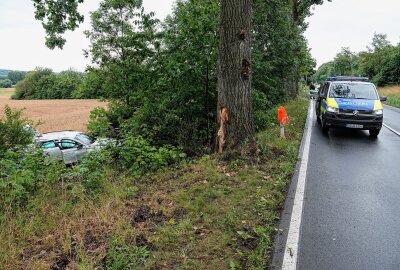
[72, 150]
[321, 101]
[52, 149]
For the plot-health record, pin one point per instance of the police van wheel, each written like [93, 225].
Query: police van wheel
[374, 132]
[325, 129]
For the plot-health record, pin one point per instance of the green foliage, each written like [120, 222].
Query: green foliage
[99, 124]
[139, 157]
[345, 63]
[16, 76]
[123, 256]
[123, 40]
[13, 130]
[6, 83]
[57, 17]
[92, 85]
[90, 171]
[379, 63]
[44, 84]
[22, 173]
[390, 72]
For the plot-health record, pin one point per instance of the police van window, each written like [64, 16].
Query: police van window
[353, 90]
[325, 90]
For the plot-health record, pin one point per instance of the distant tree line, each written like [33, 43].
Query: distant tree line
[380, 63]
[43, 83]
[11, 78]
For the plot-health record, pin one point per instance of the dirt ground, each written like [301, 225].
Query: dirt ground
[56, 115]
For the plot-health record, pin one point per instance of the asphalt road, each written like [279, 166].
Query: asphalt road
[351, 211]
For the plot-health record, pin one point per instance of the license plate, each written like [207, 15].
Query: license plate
[354, 126]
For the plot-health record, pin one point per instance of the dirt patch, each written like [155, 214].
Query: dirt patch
[145, 214]
[275, 151]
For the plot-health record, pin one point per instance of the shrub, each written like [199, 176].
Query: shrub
[22, 173]
[13, 131]
[138, 156]
[90, 172]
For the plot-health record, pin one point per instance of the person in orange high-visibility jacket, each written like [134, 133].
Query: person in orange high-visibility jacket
[283, 119]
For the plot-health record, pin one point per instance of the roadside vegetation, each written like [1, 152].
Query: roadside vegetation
[205, 214]
[160, 199]
[393, 94]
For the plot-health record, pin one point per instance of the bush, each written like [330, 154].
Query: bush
[90, 172]
[13, 131]
[22, 173]
[138, 156]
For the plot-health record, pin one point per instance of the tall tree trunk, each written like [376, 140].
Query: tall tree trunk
[235, 112]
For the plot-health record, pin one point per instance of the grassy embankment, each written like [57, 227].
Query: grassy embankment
[393, 94]
[203, 215]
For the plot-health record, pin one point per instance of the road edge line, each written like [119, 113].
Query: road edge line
[292, 243]
[396, 109]
[391, 129]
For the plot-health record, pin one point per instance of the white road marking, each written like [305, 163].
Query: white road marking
[392, 130]
[292, 242]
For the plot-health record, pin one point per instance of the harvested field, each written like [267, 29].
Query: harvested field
[67, 114]
[6, 92]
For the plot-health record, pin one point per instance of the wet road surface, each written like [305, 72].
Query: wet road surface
[351, 212]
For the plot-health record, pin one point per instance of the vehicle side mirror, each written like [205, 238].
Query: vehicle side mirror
[383, 98]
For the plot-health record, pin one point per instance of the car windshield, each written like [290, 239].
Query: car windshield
[353, 90]
[84, 138]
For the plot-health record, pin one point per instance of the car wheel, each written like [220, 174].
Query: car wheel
[325, 129]
[374, 132]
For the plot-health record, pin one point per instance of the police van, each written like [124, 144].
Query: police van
[349, 102]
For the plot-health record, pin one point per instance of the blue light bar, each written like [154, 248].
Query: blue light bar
[347, 78]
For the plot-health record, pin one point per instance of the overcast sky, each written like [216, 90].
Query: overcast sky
[342, 23]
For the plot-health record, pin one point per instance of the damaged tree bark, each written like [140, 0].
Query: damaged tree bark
[235, 111]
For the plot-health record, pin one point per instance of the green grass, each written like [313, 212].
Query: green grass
[207, 214]
[6, 92]
[393, 95]
[393, 101]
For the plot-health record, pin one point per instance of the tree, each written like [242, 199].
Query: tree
[5, 83]
[345, 63]
[379, 42]
[16, 76]
[235, 112]
[57, 17]
[123, 39]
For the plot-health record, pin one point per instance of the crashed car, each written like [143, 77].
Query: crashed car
[69, 146]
